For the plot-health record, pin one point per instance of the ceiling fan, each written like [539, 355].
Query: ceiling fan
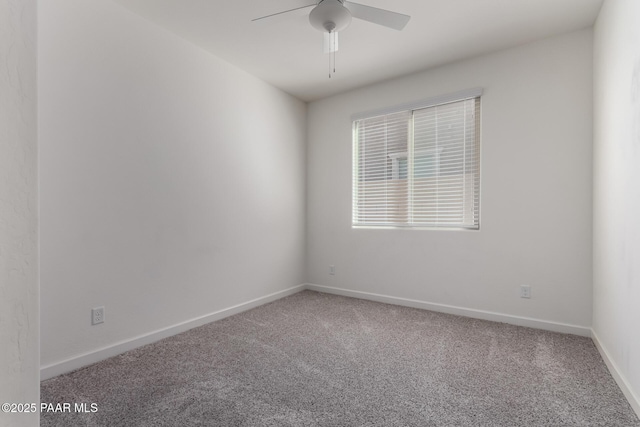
[332, 16]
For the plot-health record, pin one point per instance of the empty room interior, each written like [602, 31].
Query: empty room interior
[427, 215]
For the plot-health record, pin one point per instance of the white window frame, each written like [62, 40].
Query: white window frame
[410, 155]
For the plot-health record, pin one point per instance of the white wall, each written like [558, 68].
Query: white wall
[616, 204]
[19, 359]
[536, 190]
[172, 183]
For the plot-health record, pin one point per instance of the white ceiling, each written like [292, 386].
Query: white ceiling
[288, 53]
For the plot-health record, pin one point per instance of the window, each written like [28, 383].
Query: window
[419, 165]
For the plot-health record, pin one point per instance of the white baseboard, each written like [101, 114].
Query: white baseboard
[460, 311]
[89, 358]
[633, 399]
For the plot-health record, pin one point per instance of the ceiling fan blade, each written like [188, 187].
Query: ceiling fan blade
[330, 42]
[394, 20]
[285, 11]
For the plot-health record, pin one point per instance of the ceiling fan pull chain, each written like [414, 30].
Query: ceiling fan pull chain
[329, 65]
[330, 51]
[334, 52]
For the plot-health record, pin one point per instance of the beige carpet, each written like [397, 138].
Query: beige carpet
[314, 359]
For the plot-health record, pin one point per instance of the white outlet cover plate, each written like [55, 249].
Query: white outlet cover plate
[97, 315]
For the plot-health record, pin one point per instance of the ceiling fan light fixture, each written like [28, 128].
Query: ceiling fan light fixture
[330, 16]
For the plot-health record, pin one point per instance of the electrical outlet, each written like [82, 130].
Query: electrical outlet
[525, 291]
[332, 270]
[97, 315]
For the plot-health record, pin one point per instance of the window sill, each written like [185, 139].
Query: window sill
[398, 227]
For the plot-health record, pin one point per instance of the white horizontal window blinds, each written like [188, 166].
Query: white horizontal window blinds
[419, 168]
[381, 190]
